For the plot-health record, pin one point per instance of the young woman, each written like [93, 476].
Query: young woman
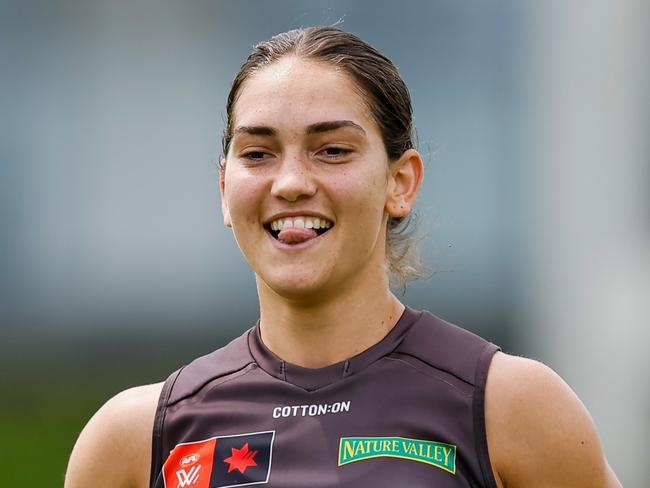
[338, 384]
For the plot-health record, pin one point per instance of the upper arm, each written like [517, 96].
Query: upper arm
[539, 432]
[114, 448]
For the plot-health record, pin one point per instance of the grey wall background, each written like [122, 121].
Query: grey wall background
[115, 268]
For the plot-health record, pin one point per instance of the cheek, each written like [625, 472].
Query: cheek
[242, 193]
[365, 196]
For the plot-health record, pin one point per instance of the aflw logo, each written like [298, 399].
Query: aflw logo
[188, 478]
[190, 464]
[220, 462]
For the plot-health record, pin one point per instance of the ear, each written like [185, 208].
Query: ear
[404, 180]
[222, 191]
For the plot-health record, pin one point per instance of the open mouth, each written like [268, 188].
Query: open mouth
[294, 230]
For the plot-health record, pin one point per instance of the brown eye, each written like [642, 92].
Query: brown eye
[255, 155]
[335, 152]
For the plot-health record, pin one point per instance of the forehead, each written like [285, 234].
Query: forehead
[293, 93]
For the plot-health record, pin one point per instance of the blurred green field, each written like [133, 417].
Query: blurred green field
[46, 397]
[38, 432]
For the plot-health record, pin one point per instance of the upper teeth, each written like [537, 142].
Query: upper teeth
[302, 222]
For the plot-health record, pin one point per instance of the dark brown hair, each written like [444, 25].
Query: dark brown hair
[385, 95]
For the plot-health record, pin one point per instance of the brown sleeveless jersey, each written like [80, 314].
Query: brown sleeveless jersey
[407, 412]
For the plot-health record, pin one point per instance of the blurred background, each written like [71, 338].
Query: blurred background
[115, 267]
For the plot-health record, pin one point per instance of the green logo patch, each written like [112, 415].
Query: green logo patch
[352, 449]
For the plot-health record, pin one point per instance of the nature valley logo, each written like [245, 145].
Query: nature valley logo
[352, 449]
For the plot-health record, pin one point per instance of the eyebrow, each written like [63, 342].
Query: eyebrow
[332, 125]
[259, 130]
[318, 127]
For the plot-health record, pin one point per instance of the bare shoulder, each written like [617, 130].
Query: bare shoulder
[114, 448]
[539, 432]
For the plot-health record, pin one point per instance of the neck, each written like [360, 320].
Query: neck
[314, 334]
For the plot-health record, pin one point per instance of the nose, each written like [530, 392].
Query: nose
[293, 179]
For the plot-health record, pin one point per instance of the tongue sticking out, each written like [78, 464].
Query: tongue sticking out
[294, 235]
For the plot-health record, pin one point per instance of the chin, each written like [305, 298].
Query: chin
[297, 286]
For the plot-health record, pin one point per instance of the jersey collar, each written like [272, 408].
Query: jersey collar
[313, 379]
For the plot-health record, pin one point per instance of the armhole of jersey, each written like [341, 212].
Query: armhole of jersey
[159, 420]
[479, 415]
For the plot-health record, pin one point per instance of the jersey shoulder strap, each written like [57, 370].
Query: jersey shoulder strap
[188, 380]
[449, 348]
[222, 362]
[465, 355]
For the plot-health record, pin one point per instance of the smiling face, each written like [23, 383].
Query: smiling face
[306, 153]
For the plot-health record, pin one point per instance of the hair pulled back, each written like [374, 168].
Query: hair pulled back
[384, 93]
